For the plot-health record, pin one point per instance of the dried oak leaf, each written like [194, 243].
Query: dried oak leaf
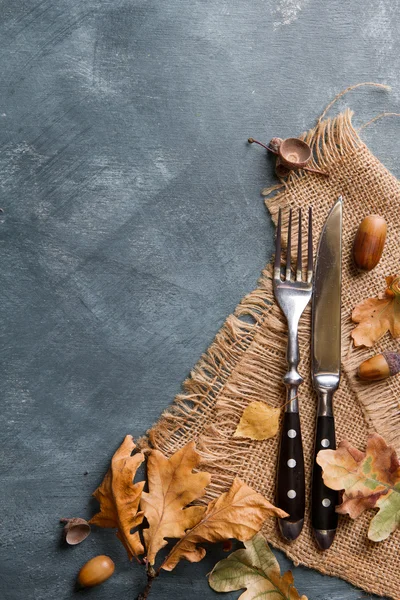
[255, 569]
[259, 421]
[119, 497]
[238, 513]
[376, 316]
[370, 479]
[172, 486]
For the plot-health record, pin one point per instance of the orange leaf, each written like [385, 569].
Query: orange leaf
[119, 497]
[172, 486]
[370, 479]
[238, 513]
[376, 316]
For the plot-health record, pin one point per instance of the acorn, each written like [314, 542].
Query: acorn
[369, 242]
[379, 367]
[96, 571]
[75, 531]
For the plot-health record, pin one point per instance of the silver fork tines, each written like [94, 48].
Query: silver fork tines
[278, 249]
[291, 294]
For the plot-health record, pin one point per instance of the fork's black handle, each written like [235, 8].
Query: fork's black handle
[290, 479]
[324, 500]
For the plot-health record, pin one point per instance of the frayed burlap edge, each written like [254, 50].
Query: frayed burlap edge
[331, 140]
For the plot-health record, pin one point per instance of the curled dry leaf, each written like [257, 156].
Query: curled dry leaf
[259, 421]
[370, 479]
[376, 316]
[238, 513]
[255, 569]
[119, 497]
[172, 486]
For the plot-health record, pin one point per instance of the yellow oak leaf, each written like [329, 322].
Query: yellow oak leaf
[119, 497]
[255, 569]
[172, 486]
[376, 316]
[238, 513]
[370, 479]
[259, 421]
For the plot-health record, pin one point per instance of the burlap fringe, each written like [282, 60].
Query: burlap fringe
[208, 378]
[330, 140]
[192, 410]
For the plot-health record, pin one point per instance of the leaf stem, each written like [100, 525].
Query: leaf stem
[151, 575]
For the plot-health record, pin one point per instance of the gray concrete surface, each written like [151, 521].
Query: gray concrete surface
[133, 225]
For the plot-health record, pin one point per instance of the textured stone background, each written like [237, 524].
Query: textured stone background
[133, 225]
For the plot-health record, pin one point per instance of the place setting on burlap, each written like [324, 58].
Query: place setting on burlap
[246, 362]
[287, 431]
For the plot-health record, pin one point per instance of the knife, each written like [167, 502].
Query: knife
[325, 366]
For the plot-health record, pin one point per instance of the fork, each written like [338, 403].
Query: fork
[292, 294]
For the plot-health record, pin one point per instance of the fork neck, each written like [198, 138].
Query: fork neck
[292, 378]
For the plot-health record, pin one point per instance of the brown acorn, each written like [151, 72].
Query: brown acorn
[75, 531]
[379, 367]
[369, 242]
[96, 571]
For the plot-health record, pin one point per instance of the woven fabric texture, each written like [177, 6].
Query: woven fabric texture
[246, 362]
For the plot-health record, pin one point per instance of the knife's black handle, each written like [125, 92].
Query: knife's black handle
[324, 500]
[290, 478]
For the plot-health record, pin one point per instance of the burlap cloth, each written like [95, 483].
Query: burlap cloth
[246, 362]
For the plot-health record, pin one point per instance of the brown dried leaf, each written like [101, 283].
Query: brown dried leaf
[376, 316]
[119, 497]
[238, 513]
[259, 421]
[172, 486]
[370, 479]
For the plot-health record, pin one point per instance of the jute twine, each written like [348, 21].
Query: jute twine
[246, 362]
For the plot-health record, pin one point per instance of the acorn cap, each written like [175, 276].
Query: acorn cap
[76, 530]
[379, 366]
[294, 153]
[393, 360]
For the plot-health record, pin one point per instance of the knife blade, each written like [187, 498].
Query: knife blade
[325, 365]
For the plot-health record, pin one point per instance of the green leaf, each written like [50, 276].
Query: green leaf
[388, 517]
[255, 569]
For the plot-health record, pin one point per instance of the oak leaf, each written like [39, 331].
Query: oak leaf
[259, 421]
[119, 497]
[376, 316]
[238, 513]
[370, 479]
[172, 486]
[255, 569]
